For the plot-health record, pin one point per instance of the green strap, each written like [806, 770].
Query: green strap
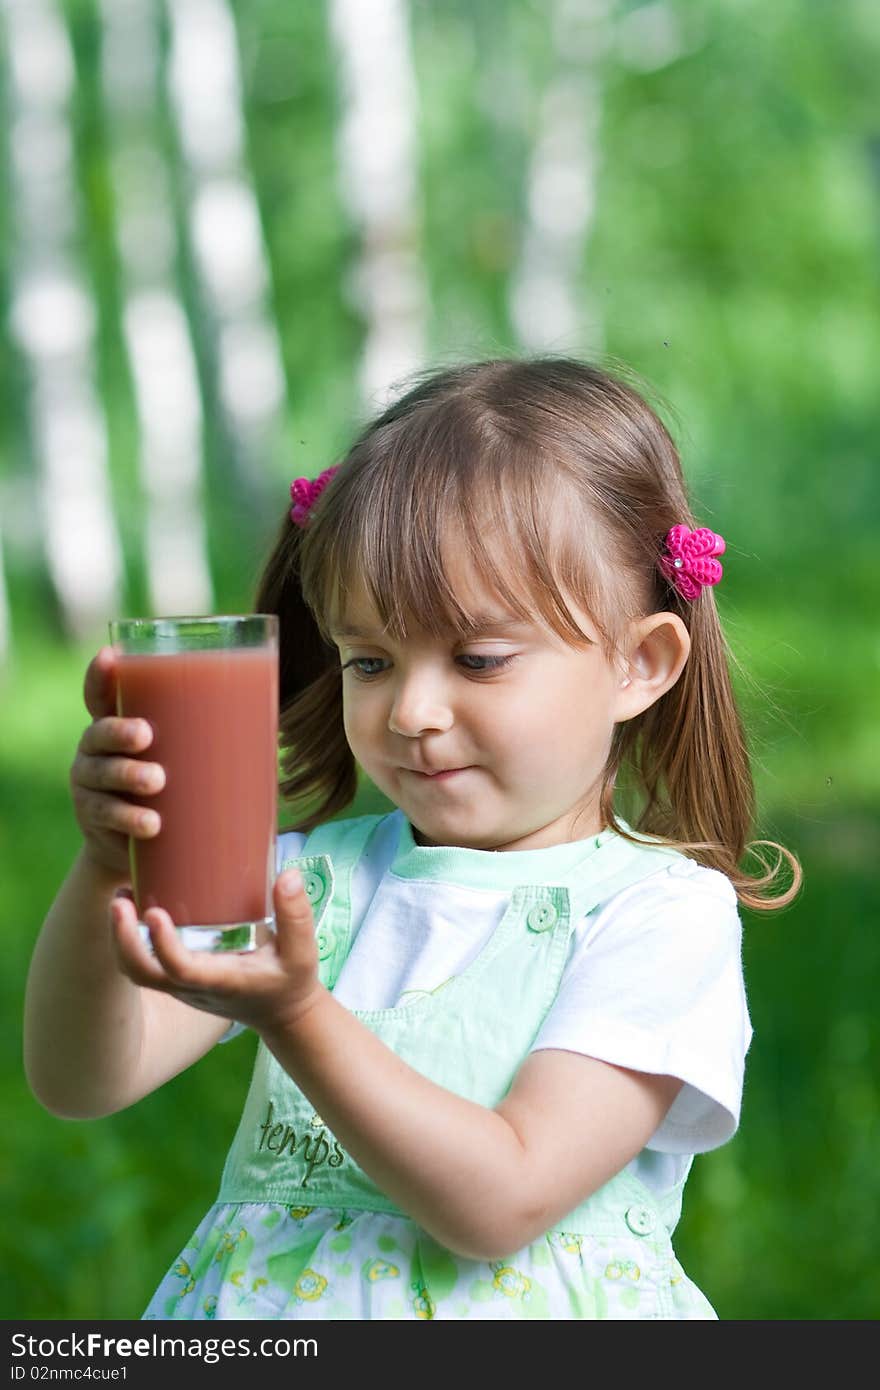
[327, 862]
[622, 865]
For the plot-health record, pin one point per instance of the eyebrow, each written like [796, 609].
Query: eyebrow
[482, 625]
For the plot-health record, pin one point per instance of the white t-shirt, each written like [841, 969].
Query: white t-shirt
[653, 980]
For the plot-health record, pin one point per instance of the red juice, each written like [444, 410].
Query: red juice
[214, 716]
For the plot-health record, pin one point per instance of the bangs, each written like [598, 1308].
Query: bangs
[485, 507]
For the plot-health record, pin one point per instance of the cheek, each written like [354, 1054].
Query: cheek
[351, 719]
[535, 729]
[538, 709]
[560, 722]
[360, 718]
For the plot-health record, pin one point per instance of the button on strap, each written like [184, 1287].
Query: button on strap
[640, 1220]
[314, 886]
[318, 881]
[541, 917]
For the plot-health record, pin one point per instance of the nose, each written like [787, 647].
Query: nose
[419, 704]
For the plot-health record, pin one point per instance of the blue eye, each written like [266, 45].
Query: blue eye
[492, 663]
[357, 661]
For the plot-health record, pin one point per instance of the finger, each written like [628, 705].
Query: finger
[115, 734]
[294, 921]
[99, 686]
[107, 773]
[167, 946]
[100, 811]
[134, 956]
[189, 971]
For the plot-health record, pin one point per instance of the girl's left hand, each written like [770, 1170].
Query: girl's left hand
[267, 989]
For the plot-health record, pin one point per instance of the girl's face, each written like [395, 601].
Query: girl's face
[517, 724]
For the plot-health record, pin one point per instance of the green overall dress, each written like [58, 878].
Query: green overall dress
[300, 1231]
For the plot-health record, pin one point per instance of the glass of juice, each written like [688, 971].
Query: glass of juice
[208, 687]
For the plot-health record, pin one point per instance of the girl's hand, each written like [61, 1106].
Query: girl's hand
[107, 772]
[267, 989]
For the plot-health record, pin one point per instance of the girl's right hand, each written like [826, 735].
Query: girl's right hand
[107, 772]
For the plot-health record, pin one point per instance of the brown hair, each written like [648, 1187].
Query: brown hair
[570, 469]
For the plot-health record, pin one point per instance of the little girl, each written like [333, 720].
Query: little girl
[496, 1023]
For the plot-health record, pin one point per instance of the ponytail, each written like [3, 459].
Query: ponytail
[318, 769]
[690, 760]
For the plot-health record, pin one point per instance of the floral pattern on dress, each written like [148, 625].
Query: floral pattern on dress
[265, 1260]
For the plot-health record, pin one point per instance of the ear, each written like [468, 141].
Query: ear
[659, 646]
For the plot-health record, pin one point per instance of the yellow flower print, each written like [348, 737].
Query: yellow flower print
[183, 1271]
[423, 1303]
[572, 1244]
[300, 1213]
[617, 1269]
[310, 1285]
[381, 1269]
[510, 1281]
[228, 1242]
[210, 1306]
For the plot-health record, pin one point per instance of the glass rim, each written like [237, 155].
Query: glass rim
[203, 631]
[194, 618]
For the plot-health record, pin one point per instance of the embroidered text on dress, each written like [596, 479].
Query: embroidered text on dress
[281, 1138]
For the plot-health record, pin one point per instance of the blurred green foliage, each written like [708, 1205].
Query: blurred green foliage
[734, 262]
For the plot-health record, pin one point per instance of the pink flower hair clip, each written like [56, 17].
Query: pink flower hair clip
[304, 493]
[689, 564]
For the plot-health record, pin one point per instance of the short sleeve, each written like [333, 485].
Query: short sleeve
[287, 846]
[654, 983]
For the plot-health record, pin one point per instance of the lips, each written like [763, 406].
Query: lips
[438, 772]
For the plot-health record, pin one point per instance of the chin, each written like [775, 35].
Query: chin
[434, 832]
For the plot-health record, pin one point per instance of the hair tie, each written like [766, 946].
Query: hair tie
[305, 492]
[689, 564]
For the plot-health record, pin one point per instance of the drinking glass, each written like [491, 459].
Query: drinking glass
[208, 687]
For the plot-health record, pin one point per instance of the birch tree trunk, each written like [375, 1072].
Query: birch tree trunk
[378, 185]
[157, 332]
[53, 320]
[549, 308]
[226, 230]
